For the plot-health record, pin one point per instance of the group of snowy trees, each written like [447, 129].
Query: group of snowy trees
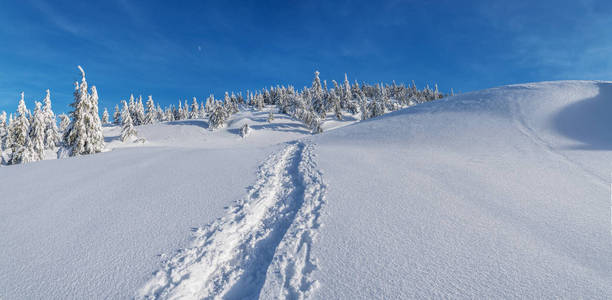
[25, 136]
[134, 113]
[311, 105]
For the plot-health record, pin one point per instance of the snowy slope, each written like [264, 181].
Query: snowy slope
[497, 193]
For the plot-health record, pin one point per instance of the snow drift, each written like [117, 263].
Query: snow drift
[497, 193]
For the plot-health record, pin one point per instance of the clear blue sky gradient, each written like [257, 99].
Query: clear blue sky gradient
[181, 49]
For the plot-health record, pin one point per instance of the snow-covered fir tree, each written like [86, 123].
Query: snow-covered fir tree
[8, 139]
[217, 117]
[3, 130]
[52, 135]
[194, 113]
[20, 145]
[151, 114]
[210, 102]
[179, 111]
[37, 133]
[132, 107]
[185, 115]
[318, 101]
[105, 117]
[84, 134]
[140, 112]
[161, 116]
[117, 115]
[127, 125]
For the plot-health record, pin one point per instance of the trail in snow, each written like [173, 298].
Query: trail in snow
[261, 247]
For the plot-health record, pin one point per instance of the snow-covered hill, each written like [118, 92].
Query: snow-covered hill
[497, 193]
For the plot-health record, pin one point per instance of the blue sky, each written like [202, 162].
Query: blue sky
[181, 49]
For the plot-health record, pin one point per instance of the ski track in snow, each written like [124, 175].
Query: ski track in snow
[262, 247]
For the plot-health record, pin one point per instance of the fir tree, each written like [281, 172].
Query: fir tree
[127, 126]
[140, 112]
[160, 114]
[209, 104]
[347, 95]
[8, 139]
[179, 112]
[151, 115]
[132, 107]
[318, 103]
[185, 115]
[217, 117]
[105, 117]
[20, 136]
[84, 134]
[52, 135]
[117, 115]
[37, 133]
[3, 130]
[195, 109]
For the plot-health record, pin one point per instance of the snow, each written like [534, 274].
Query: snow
[502, 193]
[497, 193]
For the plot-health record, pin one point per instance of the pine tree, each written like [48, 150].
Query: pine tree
[20, 136]
[160, 114]
[132, 107]
[151, 116]
[52, 135]
[195, 109]
[217, 117]
[117, 115]
[209, 104]
[3, 130]
[37, 133]
[185, 115]
[347, 96]
[127, 126]
[202, 111]
[105, 117]
[84, 134]
[8, 139]
[140, 112]
[318, 102]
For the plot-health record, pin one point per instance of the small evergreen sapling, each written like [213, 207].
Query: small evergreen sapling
[270, 117]
[244, 130]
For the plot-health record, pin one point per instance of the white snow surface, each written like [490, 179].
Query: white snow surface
[501, 193]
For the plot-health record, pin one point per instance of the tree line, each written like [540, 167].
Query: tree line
[26, 136]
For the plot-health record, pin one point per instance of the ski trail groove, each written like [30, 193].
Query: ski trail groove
[262, 247]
